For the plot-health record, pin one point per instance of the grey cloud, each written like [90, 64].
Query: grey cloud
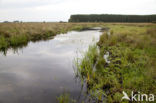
[56, 10]
[6, 4]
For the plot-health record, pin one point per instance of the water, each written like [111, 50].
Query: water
[43, 70]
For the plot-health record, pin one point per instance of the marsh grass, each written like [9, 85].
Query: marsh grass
[18, 34]
[18, 40]
[65, 98]
[132, 64]
[3, 42]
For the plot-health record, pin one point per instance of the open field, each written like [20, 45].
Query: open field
[18, 34]
[130, 66]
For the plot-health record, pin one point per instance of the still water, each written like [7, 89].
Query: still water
[43, 70]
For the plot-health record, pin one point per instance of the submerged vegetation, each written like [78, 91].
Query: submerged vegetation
[132, 56]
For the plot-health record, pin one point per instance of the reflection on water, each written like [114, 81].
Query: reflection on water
[43, 70]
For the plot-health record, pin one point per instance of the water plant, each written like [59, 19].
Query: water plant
[65, 98]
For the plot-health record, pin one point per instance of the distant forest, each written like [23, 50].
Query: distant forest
[112, 18]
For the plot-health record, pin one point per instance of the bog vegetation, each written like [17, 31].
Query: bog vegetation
[132, 56]
[15, 35]
[131, 48]
[112, 18]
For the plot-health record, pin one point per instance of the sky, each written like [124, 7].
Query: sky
[60, 10]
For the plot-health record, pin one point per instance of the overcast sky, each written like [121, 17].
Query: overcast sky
[56, 10]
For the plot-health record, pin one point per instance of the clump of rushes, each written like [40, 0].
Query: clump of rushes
[3, 42]
[65, 98]
[18, 40]
[131, 68]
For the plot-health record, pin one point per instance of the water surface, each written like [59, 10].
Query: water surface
[43, 70]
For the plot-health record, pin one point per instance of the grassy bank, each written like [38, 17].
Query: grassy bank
[19, 34]
[132, 56]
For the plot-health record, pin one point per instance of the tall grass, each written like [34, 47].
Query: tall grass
[18, 40]
[3, 42]
[65, 98]
[131, 68]
[18, 34]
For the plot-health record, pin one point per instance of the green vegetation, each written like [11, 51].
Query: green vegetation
[18, 40]
[65, 98]
[16, 35]
[3, 42]
[112, 18]
[132, 56]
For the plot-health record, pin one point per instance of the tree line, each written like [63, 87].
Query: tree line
[112, 18]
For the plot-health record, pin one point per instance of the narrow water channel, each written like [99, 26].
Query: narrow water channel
[43, 70]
